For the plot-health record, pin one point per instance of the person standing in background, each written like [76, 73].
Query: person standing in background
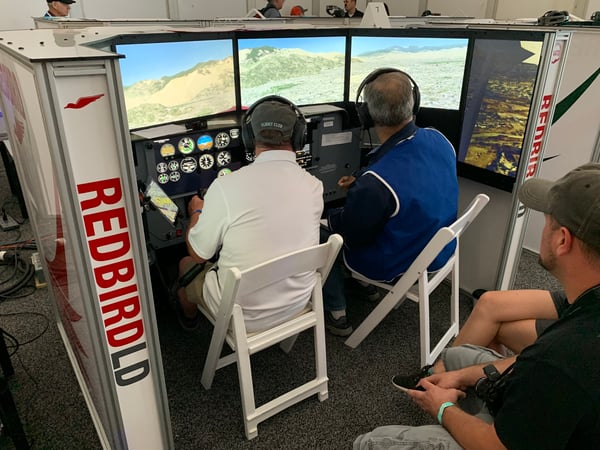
[272, 9]
[58, 8]
[351, 11]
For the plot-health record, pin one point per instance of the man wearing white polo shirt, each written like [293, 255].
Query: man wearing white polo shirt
[262, 211]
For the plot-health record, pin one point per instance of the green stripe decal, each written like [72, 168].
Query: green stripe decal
[564, 105]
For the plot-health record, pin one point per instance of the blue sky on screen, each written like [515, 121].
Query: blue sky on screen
[151, 61]
[310, 44]
[362, 44]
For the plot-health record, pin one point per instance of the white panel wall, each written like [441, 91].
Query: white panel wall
[408, 8]
[513, 9]
[18, 15]
[460, 8]
[118, 9]
[570, 148]
[203, 9]
[585, 8]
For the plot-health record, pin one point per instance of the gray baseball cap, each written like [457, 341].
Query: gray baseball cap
[573, 200]
[276, 116]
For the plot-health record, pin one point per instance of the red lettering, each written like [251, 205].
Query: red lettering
[546, 102]
[125, 334]
[544, 117]
[119, 243]
[104, 217]
[110, 274]
[107, 191]
[539, 132]
[10, 88]
[124, 309]
[118, 292]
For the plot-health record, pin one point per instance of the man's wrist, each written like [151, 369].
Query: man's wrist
[199, 211]
[443, 407]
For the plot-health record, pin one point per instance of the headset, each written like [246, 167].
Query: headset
[298, 138]
[363, 108]
[553, 17]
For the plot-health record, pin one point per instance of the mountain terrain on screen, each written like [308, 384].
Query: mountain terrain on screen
[302, 76]
[204, 89]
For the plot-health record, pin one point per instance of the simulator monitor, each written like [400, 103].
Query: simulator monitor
[500, 90]
[305, 70]
[436, 64]
[166, 82]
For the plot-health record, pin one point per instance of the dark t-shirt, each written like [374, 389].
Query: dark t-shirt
[357, 13]
[552, 397]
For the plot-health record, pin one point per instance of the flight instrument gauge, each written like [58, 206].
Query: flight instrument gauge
[206, 161]
[186, 145]
[167, 150]
[223, 158]
[222, 140]
[188, 165]
[205, 142]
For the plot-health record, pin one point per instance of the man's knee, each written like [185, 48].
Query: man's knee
[404, 437]
[487, 305]
[185, 264]
[456, 358]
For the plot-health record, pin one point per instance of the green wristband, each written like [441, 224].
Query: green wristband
[443, 407]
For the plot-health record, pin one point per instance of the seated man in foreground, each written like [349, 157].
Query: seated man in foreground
[408, 191]
[549, 398]
[262, 211]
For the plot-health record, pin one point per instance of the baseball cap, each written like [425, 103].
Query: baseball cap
[573, 200]
[297, 10]
[66, 2]
[276, 116]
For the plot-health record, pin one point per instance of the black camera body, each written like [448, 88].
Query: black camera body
[491, 387]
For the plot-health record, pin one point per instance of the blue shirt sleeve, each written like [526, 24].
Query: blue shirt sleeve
[369, 204]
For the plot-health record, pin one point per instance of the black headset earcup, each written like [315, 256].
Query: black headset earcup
[364, 116]
[247, 132]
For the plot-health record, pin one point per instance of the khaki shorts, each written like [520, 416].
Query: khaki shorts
[194, 290]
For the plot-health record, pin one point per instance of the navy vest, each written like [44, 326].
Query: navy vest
[421, 173]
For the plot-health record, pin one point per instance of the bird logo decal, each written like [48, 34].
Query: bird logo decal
[82, 102]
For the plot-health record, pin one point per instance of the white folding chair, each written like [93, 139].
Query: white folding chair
[418, 276]
[229, 326]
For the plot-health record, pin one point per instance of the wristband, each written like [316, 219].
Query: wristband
[199, 211]
[443, 407]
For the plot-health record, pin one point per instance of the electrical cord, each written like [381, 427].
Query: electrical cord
[22, 274]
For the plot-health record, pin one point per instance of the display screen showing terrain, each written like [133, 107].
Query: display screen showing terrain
[500, 91]
[436, 64]
[305, 70]
[165, 82]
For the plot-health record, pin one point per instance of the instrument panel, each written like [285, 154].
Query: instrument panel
[183, 164]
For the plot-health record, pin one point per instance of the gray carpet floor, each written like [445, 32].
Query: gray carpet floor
[361, 396]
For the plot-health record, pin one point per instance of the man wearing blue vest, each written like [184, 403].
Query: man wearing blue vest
[408, 191]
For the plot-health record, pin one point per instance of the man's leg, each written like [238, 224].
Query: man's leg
[401, 437]
[189, 308]
[455, 358]
[505, 318]
[190, 296]
[334, 298]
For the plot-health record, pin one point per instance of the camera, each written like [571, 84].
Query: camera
[491, 387]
